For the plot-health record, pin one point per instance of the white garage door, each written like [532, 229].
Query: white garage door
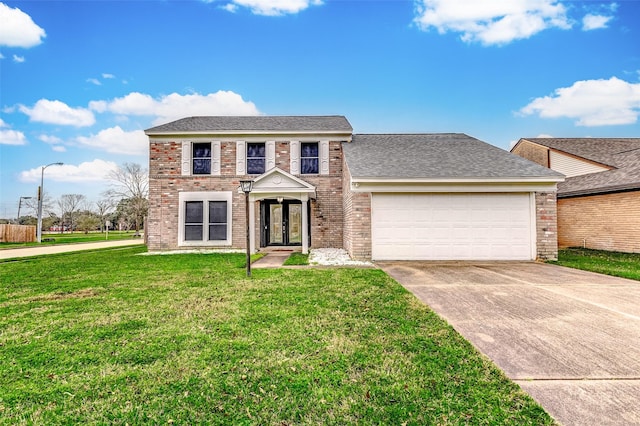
[451, 226]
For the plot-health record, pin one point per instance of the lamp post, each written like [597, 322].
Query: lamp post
[246, 186]
[20, 205]
[40, 197]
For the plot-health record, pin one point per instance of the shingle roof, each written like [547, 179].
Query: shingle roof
[621, 153]
[259, 123]
[442, 155]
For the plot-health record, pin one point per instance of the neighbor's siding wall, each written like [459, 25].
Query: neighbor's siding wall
[357, 219]
[533, 152]
[166, 181]
[546, 225]
[571, 166]
[603, 222]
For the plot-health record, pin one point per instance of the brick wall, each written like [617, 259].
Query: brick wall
[533, 152]
[603, 222]
[546, 225]
[357, 220]
[165, 183]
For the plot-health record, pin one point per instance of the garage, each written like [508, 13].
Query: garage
[452, 226]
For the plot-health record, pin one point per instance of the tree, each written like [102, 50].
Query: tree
[70, 205]
[103, 209]
[130, 182]
[88, 221]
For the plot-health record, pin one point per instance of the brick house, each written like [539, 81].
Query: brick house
[599, 202]
[316, 184]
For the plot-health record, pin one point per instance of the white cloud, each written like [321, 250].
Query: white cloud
[91, 171]
[591, 102]
[18, 59]
[12, 137]
[59, 148]
[174, 106]
[94, 81]
[491, 22]
[52, 140]
[56, 112]
[18, 29]
[1, 55]
[117, 141]
[108, 76]
[594, 22]
[272, 7]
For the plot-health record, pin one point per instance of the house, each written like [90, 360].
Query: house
[316, 184]
[599, 203]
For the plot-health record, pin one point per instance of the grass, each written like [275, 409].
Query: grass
[625, 265]
[111, 337]
[73, 238]
[297, 259]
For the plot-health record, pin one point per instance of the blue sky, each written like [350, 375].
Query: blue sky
[81, 80]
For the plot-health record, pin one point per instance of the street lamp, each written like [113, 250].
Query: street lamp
[20, 205]
[40, 197]
[246, 186]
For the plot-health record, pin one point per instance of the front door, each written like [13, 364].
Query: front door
[281, 223]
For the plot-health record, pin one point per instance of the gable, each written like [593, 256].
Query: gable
[571, 166]
[279, 181]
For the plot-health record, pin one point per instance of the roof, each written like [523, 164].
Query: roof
[440, 155]
[254, 124]
[623, 154]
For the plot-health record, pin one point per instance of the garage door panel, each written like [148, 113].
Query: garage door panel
[451, 226]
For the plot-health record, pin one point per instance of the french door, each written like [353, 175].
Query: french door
[281, 223]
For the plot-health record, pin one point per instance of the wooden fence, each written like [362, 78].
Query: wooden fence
[17, 233]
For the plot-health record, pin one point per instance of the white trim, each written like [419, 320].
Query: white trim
[270, 155]
[215, 158]
[464, 186]
[186, 158]
[205, 196]
[323, 159]
[294, 157]
[241, 158]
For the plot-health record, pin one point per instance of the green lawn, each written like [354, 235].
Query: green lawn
[297, 259]
[75, 237]
[626, 265]
[112, 337]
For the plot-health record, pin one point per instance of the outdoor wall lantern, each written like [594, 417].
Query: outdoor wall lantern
[246, 186]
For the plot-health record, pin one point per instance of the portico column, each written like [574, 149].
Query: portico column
[252, 224]
[305, 225]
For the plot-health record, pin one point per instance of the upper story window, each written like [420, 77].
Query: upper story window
[309, 158]
[256, 158]
[201, 158]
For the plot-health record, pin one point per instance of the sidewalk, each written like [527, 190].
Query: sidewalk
[64, 248]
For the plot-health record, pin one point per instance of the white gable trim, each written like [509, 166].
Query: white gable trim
[278, 182]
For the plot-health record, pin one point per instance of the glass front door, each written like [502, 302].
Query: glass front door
[282, 223]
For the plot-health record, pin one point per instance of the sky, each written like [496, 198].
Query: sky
[80, 81]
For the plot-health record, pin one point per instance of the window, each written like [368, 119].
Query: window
[309, 158]
[217, 220]
[205, 218]
[201, 158]
[256, 158]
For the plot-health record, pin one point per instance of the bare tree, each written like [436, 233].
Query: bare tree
[130, 182]
[103, 208]
[70, 205]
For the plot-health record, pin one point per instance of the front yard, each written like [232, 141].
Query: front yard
[112, 337]
[625, 265]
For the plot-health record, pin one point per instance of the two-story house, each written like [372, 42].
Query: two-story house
[316, 184]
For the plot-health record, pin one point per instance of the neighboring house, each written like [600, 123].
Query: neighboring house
[316, 184]
[599, 203]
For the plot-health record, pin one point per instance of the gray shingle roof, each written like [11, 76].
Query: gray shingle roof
[259, 123]
[621, 153]
[442, 155]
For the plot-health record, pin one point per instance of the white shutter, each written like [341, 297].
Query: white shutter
[215, 158]
[271, 155]
[241, 158]
[294, 157]
[186, 158]
[324, 157]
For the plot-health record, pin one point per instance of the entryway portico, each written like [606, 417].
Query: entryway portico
[284, 212]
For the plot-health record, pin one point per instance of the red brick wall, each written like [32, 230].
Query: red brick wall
[603, 222]
[357, 220]
[533, 152]
[165, 182]
[546, 225]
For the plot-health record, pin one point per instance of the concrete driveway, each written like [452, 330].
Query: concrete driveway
[569, 338]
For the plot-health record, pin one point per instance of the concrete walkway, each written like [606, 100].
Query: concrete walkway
[569, 338]
[271, 260]
[64, 248]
